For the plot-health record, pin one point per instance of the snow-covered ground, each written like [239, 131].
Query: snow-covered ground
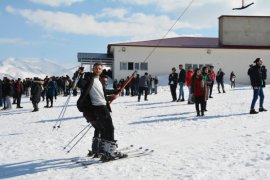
[228, 143]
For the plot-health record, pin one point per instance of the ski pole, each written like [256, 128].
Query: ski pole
[61, 113]
[79, 140]
[77, 136]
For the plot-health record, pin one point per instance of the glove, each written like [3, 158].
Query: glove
[255, 87]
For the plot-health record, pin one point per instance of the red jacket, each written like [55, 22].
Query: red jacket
[188, 77]
[212, 75]
[198, 90]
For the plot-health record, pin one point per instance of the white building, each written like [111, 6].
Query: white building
[241, 40]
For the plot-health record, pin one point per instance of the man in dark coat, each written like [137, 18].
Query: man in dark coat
[220, 80]
[173, 83]
[182, 81]
[143, 86]
[256, 79]
[36, 93]
[18, 92]
[94, 103]
[51, 90]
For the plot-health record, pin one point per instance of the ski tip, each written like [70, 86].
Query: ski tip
[131, 145]
[64, 147]
[140, 147]
[58, 126]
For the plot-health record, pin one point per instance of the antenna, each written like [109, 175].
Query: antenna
[243, 6]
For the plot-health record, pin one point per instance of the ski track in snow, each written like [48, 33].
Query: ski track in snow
[227, 143]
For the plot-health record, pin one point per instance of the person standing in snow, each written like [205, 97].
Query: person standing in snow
[50, 93]
[199, 91]
[220, 80]
[173, 83]
[256, 78]
[208, 81]
[212, 76]
[94, 103]
[188, 83]
[232, 79]
[181, 81]
[143, 86]
[36, 93]
[18, 92]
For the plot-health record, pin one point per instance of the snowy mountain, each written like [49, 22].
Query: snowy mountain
[31, 67]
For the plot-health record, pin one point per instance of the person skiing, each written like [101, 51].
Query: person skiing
[94, 103]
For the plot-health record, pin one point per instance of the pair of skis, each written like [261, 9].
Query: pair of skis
[129, 151]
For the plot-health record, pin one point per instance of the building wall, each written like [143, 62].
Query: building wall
[163, 59]
[244, 30]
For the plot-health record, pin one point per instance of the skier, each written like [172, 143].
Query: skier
[94, 103]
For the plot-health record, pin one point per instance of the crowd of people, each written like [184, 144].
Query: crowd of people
[95, 97]
[36, 89]
[200, 84]
[138, 86]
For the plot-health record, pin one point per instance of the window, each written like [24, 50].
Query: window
[201, 66]
[187, 66]
[130, 66]
[137, 66]
[123, 66]
[144, 66]
[194, 66]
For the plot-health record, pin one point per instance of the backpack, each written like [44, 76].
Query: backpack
[84, 103]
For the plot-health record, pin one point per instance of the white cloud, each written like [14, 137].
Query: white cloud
[120, 22]
[137, 25]
[112, 13]
[14, 41]
[56, 3]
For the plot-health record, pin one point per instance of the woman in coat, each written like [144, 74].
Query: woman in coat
[199, 91]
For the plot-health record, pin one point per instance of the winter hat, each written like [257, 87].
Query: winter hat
[257, 60]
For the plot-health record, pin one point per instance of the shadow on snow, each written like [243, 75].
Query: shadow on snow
[184, 118]
[59, 119]
[32, 167]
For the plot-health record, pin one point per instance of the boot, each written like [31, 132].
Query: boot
[252, 111]
[108, 149]
[96, 147]
[261, 109]
[51, 104]
[198, 113]
[202, 113]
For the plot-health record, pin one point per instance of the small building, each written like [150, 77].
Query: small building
[241, 40]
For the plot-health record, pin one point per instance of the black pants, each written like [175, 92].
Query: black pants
[19, 96]
[173, 91]
[51, 100]
[211, 88]
[101, 120]
[35, 105]
[199, 100]
[222, 86]
[141, 90]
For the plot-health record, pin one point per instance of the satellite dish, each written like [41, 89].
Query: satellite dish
[243, 6]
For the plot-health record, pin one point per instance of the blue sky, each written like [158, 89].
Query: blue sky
[58, 29]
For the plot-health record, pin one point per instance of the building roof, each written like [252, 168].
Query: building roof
[178, 42]
[94, 57]
[185, 42]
